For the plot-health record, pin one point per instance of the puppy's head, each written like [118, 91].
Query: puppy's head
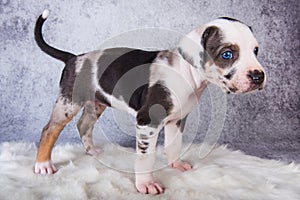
[225, 51]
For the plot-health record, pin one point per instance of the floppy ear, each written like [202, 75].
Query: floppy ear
[208, 35]
[191, 49]
[210, 40]
[250, 29]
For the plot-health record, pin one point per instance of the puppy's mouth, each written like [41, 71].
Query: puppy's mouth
[234, 90]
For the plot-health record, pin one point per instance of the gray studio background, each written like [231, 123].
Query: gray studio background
[264, 124]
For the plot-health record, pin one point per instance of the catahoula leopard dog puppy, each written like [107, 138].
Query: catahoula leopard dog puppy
[162, 89]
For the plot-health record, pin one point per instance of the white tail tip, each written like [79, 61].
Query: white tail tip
[45, 14]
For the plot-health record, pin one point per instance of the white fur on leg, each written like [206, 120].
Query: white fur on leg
[44, 167]
[149, 187]
[143, 178]
[144, 182]
[145, 160]
[173, 143]
[89, 146]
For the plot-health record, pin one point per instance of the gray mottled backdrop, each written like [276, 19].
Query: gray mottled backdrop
[264, 124]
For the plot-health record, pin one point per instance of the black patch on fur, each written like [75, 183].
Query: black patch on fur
[230, 19]
[181, 124]
[138, 97]
[233, 89]
[125, 72]
[77, 88]
[157, 106]
[230, 74]
[235, 20]
[68, 79]
[84, 90]
[65, 102]
[143, 146]
[178, 123]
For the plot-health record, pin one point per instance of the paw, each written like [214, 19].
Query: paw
[93, 151]
[150, 188]
[44, 168]
[181, 165]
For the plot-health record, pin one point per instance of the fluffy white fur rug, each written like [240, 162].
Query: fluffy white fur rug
[223, 174]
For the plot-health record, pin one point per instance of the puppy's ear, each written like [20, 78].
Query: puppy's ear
[190, 48]
[210, 34]
[211, 40]
[250, 29]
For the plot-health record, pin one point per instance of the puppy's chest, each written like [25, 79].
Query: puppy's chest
[180, 85]
[183, 99]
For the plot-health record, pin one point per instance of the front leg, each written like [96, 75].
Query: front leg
[150, 119]
[145, 147]
[173, 143]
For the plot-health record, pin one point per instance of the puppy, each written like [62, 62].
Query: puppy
[159, 88]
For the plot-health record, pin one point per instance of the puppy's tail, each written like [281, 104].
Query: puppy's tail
[56, 53]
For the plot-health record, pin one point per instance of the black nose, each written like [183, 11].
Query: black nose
[257, 77]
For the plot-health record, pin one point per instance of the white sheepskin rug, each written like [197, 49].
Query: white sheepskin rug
[223, 174]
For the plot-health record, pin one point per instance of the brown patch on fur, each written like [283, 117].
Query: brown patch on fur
[212, 43]
[49, 136]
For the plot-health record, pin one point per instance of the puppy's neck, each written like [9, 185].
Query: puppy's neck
[193, 74]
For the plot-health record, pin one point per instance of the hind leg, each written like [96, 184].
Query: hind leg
[62, 113]
[85, 125]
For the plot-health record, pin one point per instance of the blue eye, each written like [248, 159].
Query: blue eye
[227, 55]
